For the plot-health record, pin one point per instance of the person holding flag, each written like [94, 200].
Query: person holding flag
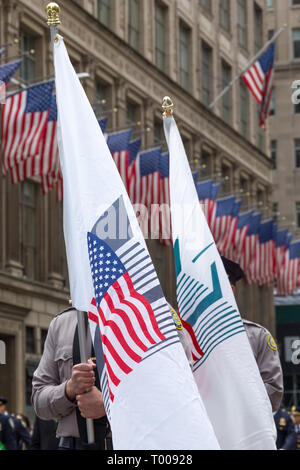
[141, 364]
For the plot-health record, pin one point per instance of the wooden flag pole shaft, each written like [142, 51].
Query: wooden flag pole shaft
[52, 10]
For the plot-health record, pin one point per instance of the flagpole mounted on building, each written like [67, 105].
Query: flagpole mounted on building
[53, 21]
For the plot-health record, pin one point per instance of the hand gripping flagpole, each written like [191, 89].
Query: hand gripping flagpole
[52, 10]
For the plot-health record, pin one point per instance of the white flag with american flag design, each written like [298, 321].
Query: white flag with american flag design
[224, 366]
[150, 395]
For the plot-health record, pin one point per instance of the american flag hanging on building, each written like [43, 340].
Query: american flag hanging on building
[23, 124]
[259, 80]
[282, 243]
[118, 144]
[204, 191]
[266, 253]
[220, 225]
[46, 163]
[212, 205]
[238, 244]
[144, 189]
[228, 240]
[7, 71]
[250, 260]
[290, 274]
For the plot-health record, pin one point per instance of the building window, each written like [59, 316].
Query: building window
[158, 132]
[160, 39]
[296, 43]
[28, 66]
[298, 214]
[273, 103]
[103, 11]
[226, 183]
[273, 148]
[295, 2]
[28, 225]
[242, 22]
[206, 71]
[244, 190]
[275, 212]
[132, 114]
[206, 4]
[244, 108]
[270, 3]
[297, 152]
[258, 28]
[226, 100]
[134, 24]
[205, 164]
[184, 56]
[43, 338]
[30, 340]
[225, 14]
[101, 98]
[260, 132]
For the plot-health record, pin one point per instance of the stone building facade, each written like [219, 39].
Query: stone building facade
[285, 122]
[136, 52]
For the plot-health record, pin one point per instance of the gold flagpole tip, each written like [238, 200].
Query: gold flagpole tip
[167, 106]
[52, 10]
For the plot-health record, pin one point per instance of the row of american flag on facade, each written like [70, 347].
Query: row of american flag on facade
[29, 148]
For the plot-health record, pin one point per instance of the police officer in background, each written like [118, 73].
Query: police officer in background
[296, 415]
[22, 433]
[65, 389]
[286, 432]
[262, 343]
[7, 433]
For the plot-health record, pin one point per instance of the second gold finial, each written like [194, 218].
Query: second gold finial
[52, 10]
[167, 106]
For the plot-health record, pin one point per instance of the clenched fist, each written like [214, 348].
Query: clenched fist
[82, 379]
[91, 404]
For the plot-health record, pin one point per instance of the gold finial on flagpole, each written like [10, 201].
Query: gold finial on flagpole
[167, 106]
[52, 10]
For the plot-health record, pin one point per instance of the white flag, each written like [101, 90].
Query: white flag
[224, 366]
[150, 395]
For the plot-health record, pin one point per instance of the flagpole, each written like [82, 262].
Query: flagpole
[220, 95]
[52, 10]
[50, 80]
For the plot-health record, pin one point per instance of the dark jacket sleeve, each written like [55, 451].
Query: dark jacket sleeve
[9, 436]
[23, 435]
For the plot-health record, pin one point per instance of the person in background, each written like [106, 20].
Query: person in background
[44, 435]
[263, 345]
[296, 415]
[286, 432]
[22, 431]
[7, 433]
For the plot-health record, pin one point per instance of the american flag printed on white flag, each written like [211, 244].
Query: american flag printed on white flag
[150, 395]
[224, 367]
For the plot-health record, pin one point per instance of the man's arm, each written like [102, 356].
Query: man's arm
[270, 368]
[48, 394]
[51, 397]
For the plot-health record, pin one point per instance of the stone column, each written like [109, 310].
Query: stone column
[13, 263]
[148, 122]
[120, 96]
